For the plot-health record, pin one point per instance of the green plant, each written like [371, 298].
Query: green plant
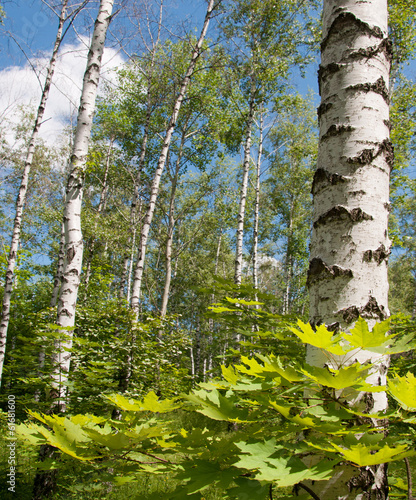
[288, 422]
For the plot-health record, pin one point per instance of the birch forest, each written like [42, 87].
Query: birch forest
[208, 273]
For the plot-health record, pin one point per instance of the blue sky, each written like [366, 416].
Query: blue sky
[34, 27]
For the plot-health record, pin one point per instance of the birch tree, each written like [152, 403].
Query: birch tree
[21, 198]
[264, 39]
[154, 190]
[347, 274]
[73, 200]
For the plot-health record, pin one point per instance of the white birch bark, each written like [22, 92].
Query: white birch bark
[288, 262]
[21, 198]
[73, 200]
[171, 226]
[257, 208]
[57, 280]
[243, 193]
[154, 190]
[347, 275]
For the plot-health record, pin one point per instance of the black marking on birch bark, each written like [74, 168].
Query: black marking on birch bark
[379, 87]
[339, 212]
[323, 108]
[388, 149]
[387, 123]
[333, 327]
[385, 47]
[337, 129]
[367, 156]
[371, 310]
[347, 20]
[65, 312]
[381, 254]
[325, 71]
[70, 254]
[322, 178]
[369, 402]
[318, 270]
[383, 369]
[364, 158]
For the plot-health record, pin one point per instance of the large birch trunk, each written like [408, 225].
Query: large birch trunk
[347, 275]
[73, 199]
[21, 198]
[154, 190]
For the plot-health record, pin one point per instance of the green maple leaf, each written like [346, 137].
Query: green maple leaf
[321, 338]
[64, 435]
[201, 474]
[403, 343]
[149, 403]
[273, 364]
[218, 407]
[248, 489]
[255, 453]
[363, 455]
[403, 389]
[351, 376]
[229, 374]
[361, 337]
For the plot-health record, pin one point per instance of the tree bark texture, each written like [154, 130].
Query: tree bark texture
[154, 190]
[73, 200]
[21, 198]
[347, 275]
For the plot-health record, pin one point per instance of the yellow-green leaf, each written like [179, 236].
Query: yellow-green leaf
[403, 389]
[322, 338]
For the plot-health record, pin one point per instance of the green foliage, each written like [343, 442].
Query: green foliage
[268, 400]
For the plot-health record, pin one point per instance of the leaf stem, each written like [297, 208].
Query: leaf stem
[311, 492]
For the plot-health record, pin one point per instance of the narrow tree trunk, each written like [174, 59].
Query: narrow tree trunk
[57, 281]
[243, 193]
[171, 226]
[347, 275]
[288, 262]
[73, 201]
[21, 198]
[161, 164]
[100, 209]
[257, 207]
[126, 277]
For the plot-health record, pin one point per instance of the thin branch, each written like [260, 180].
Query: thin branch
[409, 480]
[311, 493]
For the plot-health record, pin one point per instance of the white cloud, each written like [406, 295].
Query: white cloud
[20, 86]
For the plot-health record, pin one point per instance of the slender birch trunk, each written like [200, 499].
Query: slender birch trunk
[21, 198]
[73, 199]
[100, 209]
[57, 280]
[243, 192]
[347, 275]
[288, 262]
[135, 300]
[126, 278]
[257, 208]
[171, 226]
